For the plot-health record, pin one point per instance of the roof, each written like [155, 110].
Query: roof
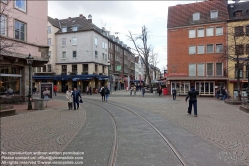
[242, 6]
[182, 15]
[54, 22]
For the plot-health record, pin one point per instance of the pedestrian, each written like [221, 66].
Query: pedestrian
[69, 98]
[192, 96]
[159, 90]
[224, 93]
[135, 90]
[107, 93]
[143, 90]
[87, 90]
[34, 90]
[102, 93]
[115, 87]
[76, 95]
[218, 93]
[131, 89]
[90, 90]
[9, 91]
[174, 93]
[55, 89]
[46, 95]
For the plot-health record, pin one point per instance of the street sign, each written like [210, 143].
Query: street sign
[118, 68]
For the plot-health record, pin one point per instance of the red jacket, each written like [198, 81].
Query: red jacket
[55, 88]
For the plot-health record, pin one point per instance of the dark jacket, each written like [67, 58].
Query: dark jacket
[76, 95]
[174, 91]
[192, 95]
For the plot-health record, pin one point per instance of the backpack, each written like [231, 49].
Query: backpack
[106, 91]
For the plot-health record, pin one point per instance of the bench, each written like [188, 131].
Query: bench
[6, 110]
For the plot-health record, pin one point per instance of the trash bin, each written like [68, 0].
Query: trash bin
[165, 91]
[38, 104]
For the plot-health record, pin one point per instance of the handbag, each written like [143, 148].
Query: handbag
[81, 101]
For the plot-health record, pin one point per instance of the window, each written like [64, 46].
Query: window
[44, 68]
[34, 69]
[20, 4]
[49, 68]
[196, 16]
[192, 69]
[74, 41]
[96, 68]
[103, 44]
[3, 25]
[64, 55]
[49, 30]
[49, 54]
[200, 32]
[191, 50]
[219, 31]
[74, 54]
[247, 30]
[210, 69]
[214, 14]
[200, 49]
[63, 41]
[239, 31]
[247, 49]
[200, 68]
[103, 56]
[64, 69]
[239, 68]
[38, 69]
[239, 49]
[85, 68]
[219, 69]
[210, 31]
[96, 54]
[20, 30]
[219, 48]
[75, 28]
[74, 69]
[106, 57]
[49, 41]
[96, 41]
[210, 48]
[64, 29]
[191, 33]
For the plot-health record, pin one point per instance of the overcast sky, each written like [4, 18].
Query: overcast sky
[123, 16]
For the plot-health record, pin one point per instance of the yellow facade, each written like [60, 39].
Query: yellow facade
[232, 41]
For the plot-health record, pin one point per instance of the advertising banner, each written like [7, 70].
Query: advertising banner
[44, 86]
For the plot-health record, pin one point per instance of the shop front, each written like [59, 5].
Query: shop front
[233, 87]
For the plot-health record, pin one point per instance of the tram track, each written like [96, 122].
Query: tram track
[113, 154]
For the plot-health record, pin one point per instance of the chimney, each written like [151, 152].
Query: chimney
[89, 18]
[81, 15]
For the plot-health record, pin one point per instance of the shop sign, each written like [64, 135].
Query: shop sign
[177, 74]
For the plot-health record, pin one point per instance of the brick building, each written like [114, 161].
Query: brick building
[196, 38]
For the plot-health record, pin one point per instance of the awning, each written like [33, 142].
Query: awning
[102, 77]
[42, 77]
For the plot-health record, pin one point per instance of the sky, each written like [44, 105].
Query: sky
[120, 17]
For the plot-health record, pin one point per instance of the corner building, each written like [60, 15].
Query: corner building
[196, 38]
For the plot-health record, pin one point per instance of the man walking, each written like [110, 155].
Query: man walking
[107, 92]
[192, 95]
[55, 89]
[102, 93]
[174, 93]
[76, 95]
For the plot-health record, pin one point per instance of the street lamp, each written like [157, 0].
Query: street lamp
[29, 62]
[109, 76]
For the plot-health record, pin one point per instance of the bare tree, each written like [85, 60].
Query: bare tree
[234, 52]
[7, 45]
[143, 51]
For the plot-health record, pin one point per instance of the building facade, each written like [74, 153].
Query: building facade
[238, 47]
[23, 32]
[196, 38]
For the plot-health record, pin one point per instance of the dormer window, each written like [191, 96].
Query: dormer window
[75, 28]
[214, 14]
[196, 16]
[238, 13]
[64, 29]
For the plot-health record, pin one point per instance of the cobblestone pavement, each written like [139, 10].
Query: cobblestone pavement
[224, 125]
[48, 130]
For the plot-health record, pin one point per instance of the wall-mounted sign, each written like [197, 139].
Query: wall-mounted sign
[118, 68]
[176, 74]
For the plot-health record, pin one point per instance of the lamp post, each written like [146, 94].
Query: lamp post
[29, 62]
[109, 76]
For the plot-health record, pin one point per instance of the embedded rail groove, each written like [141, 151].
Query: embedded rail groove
[166, 140]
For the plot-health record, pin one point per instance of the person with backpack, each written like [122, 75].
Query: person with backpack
[102, 93]
[107, 92]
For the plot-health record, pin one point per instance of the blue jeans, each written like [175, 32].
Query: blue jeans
[106, 96]
[194, 103]
[224, 97]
